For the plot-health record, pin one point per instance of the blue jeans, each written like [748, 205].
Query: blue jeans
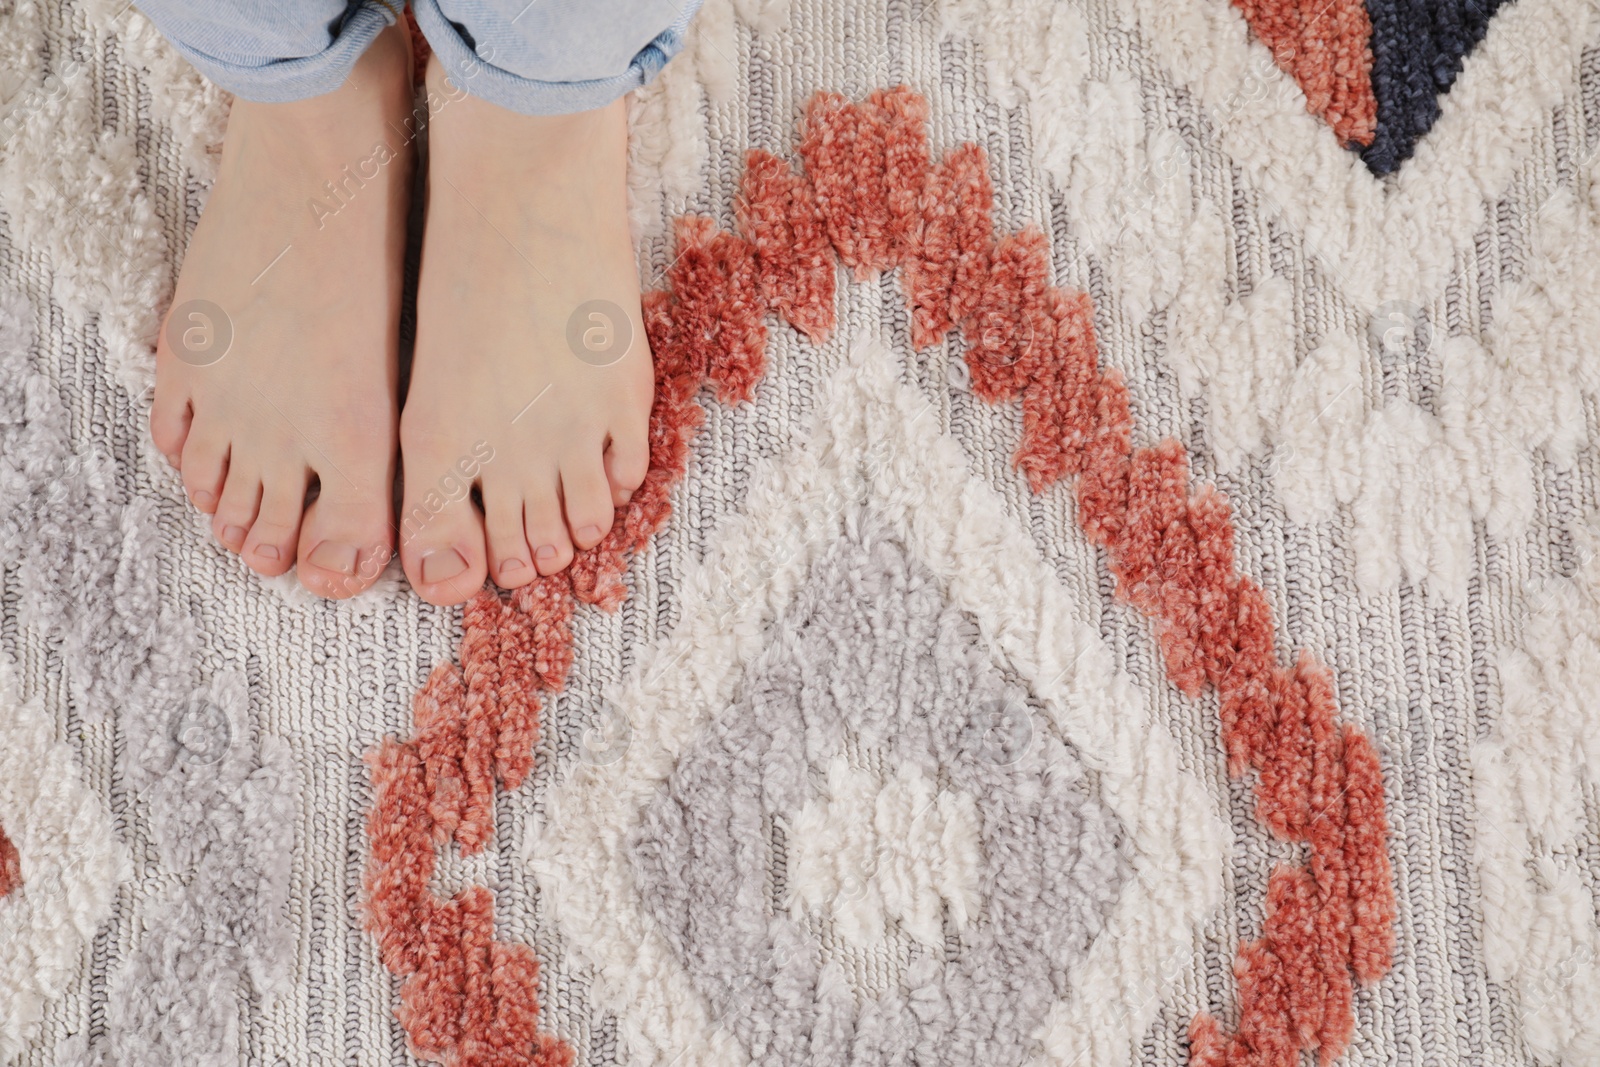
[536, 57]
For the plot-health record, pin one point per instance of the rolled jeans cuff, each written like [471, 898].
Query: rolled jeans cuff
[283, 81]
[478, 76]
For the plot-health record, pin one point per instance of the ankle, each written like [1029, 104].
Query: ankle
[379, 84]
[599, 129]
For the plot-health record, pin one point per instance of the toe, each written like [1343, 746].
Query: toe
[627, 462]
[169, 424]
[346, 538]
[205, 465]
[269, 550]
[237, 508]
[586, 499]
[510, 559]
[441, 542]
[547, 533]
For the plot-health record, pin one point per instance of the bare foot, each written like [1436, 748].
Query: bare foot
[276, 372]
[532, 378]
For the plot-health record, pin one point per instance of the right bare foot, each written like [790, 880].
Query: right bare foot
[276, 372]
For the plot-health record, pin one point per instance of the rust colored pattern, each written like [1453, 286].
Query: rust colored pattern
[1169, 544]
[872, 198]
[10, 865]
[1326, 46]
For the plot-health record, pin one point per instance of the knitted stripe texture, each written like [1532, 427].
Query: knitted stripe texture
[1090, 384]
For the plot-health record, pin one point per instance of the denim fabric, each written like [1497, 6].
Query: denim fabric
[537, 57]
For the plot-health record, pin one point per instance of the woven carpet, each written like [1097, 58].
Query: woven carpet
[1116, 583]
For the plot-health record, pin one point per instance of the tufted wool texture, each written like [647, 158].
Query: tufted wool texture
[1116, 582]
[943, 820]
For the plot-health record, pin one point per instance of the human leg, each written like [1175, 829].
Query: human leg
[276, 370]
[530, 341]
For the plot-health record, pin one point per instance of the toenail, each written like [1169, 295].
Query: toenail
[442, 565]
[334, 557]
[267, 551]
[172, 461]
[545, 552]
[589, 533]
[512, 566]
[625, 494]
[202, 498]
[232, 535]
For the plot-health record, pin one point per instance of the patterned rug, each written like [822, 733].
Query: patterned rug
[1116, 582]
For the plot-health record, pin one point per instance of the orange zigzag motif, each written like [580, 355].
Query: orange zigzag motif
[1325, 45]
[1171, 551]
[872, 196]
[10, 865]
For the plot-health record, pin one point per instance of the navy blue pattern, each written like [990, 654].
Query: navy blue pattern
[1417, 50]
